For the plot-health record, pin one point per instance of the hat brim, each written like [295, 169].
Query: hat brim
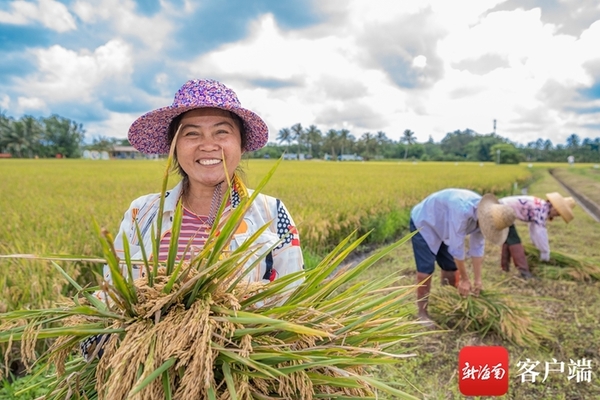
[149, 133]
[560, 204]
[486, 220]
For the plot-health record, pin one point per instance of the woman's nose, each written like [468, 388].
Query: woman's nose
[208, 144]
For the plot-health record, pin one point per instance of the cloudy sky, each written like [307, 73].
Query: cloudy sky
[431, 66]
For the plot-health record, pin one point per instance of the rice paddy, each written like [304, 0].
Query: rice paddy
[49, 205]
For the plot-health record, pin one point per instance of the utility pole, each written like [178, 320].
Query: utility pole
[494, 127]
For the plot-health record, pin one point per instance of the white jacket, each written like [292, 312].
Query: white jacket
[286, 257]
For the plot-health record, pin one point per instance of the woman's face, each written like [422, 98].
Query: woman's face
[553, 214]
[208, 140]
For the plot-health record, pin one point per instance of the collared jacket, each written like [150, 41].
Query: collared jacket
[449, 216]
[535, 212]
[284, 259]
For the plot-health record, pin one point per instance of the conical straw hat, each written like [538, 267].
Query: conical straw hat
[564, 205]
[494, 219]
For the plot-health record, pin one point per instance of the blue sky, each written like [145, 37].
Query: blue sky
[431, 66]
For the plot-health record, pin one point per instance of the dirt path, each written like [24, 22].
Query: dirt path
[577, 186]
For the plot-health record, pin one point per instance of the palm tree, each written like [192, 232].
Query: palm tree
[369, 140]
[313, 138]
[573, 141]
[285, 135]
[32, 133]
[408, 138]
[344, 135]
[331, 141]
[382, 140]
[14, 140]
[20, 138]
[5, 123]
[298, 133]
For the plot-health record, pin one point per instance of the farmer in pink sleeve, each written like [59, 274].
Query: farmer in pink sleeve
[535, 212]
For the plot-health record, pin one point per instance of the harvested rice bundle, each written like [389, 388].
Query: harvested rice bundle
[198, 330]
[493, 311]
[561, 266]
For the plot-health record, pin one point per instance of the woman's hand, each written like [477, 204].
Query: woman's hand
[464, 287]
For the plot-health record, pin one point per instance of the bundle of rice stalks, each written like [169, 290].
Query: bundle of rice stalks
[198, 330]
[561, 266]
[493, 311]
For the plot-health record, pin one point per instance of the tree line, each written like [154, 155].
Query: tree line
[460, 145]
[30, 137]
[54, 136]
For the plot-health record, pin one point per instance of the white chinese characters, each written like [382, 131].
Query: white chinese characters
[580, 370]
[483, 372]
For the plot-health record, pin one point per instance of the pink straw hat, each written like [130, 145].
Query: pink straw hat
[148, 133]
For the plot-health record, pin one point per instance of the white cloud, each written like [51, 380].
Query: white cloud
[4, 102]
[432, 66]
[121, 16]
[29, 104]
[114, 125]
[318, 74]
[50, 13]
[66, 75]
[420, 61]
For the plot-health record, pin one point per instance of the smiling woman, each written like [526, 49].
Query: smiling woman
[209, 146]
[207, 131]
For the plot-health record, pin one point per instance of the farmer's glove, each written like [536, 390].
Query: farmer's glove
[464, 287]
[477, 288]
[93, 345]
[545, 257]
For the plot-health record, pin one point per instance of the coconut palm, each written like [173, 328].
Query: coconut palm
[408, 138]
[285, 135]
[573, 141]
[15, 139]
[198, 330]
[331, 141]
[297, 135]
[345, 139]
[382, 140]
[313, 138]
[369, 142]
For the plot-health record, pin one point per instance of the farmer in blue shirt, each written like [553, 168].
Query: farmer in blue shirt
[444, 220]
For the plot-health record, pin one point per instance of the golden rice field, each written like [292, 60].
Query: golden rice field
[47, 206]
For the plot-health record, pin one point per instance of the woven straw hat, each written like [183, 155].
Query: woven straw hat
[564, 205]
[494, 219]
[148, 133]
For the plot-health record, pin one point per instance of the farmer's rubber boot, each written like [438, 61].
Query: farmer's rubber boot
[505, 258]
[449, 278]
[423, 289]
[520, 259]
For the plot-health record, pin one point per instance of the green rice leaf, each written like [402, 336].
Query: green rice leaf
[174, 241]
[229, 381]
[140, 238]
[92, 299]
[155, 374]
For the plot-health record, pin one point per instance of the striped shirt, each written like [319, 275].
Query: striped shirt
[194, 232]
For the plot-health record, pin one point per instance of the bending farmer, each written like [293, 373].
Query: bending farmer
[444, 220]
[535, 212]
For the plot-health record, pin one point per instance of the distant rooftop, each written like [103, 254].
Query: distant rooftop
[125, 149]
